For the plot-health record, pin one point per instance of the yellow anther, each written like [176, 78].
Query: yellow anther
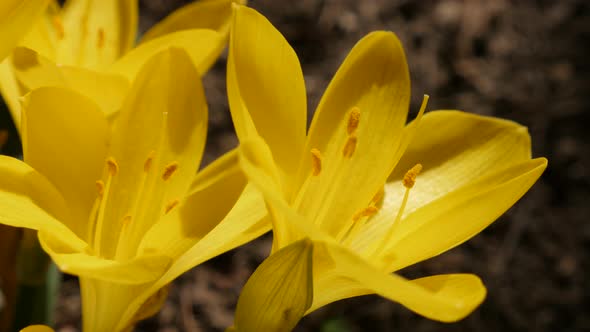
[169, 170]
[100, 188]
[369, 211]
[126, 220]
[353, 120]
[148, 162]
[100, 38]
[378, 196]
[59, 27]
[170, 205]
[349, 146]
[112, 166]
[316, 162]
[410, 176]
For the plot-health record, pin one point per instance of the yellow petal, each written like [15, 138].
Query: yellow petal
[11, 91]
[217, 198]
[104, 302]
[16, 17]
[455, 150]
[204, 14]
[29, 200]
[445, 298]
[357, 128]
[279, 292]
[96, 33]
[460, 215]
[37, 328]
[256, 162]
[265, 88]
[65, 138]
[288, 225]
[158, 141]
[42, 37]
[203, 47]
[244, 222]
[445, 140]
[34, 71]
[139, 270]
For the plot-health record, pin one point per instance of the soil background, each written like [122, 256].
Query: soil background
[522, 60]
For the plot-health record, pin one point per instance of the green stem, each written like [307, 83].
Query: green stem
[38, 283]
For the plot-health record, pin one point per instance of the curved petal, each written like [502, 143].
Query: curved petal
[219, 197]
[34, 71]
[204, 14]
[104, 303]
[16, 17]
[161, 127]
[28, 199]
[279, 292]
[244, 222]
[96, 33]
[357, 129]
[460, 215]
[65, 138]
[139, 270]
[450, 162]
[42, 37]
[257, 163]
[445, 298]
[203, 46]
[265, 88]
[462, 146]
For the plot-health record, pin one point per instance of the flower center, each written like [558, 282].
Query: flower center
[148, 192]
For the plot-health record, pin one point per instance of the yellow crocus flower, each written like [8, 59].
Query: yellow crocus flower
[89, 44]
[16, 17]
[374, 194]
[119, 205]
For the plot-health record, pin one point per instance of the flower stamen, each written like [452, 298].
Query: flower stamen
[410, 177]
[378, 198]
[408, 182]
[100, 38]
[353, 120]
[126, 220]
[349, 147]
[112, 166]
[368, 212]
[171, 206]
[100, 188]
[98, 210]
[148, 162]
[169, 170]
[316, 162]
[59, 27]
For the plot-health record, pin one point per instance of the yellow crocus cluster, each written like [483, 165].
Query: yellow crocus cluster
[113, 134]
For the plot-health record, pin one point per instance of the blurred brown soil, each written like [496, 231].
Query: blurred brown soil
[522, 60]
